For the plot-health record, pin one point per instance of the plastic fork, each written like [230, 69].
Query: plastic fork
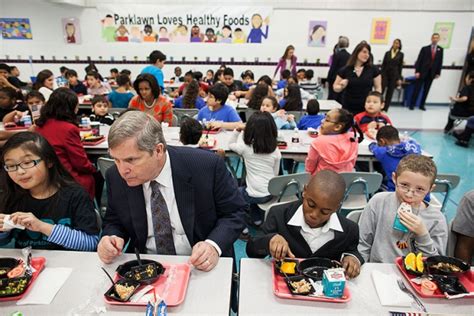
[404, 288]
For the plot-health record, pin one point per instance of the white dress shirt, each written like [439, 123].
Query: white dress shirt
[181, 242]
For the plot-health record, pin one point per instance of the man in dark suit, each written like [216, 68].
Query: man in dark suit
[313, 228]
[167, 200]
[427, 67]
[339, 60]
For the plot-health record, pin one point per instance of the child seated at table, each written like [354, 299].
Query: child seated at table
[190, 132]
[312, 119]
[41, 195]
[424, 229]
[100, 110]
[336, 146]
[257, 145]
[291, 100]
[217, 113]
[282, 119]
[389, 150]
[76, 85]
[120, 97]
[372, 118]
[35, 101]
[463, 227]
[95, 86]
[10, 108]
[312, 228]
[283, 82]
[190, 99]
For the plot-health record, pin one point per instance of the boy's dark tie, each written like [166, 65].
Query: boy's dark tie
[161, 222]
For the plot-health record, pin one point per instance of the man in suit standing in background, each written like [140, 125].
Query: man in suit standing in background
[167, 200]
[339, 60]
[427, 67]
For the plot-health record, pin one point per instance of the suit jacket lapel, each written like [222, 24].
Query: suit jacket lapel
[136, 203]
[183, 192]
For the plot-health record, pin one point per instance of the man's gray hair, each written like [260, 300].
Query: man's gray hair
[139, 125]
[343, 42]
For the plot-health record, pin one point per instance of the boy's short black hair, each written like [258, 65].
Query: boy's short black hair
[388, 132]
[99, 98]
[114, 70]
[189, 73]
[312, 107]
[285, 74]
[197, 75]
[190, 131]
[123, 79]
[125, 72]
[376, 94]
[71, 73]
[220, 92]
[35, 94]
[228, 72]
[93, 74]
[301, 70]
[156, 55]
[248, 73]
[5, 67]
[309, 74]
[63, 69]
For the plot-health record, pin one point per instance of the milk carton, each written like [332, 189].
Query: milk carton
[334, 282]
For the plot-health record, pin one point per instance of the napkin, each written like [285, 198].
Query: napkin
[8, 224]
[388, 291]
[46, 286]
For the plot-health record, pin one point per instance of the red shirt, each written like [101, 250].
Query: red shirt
[66, 141]
[363, 119]
[162, 110]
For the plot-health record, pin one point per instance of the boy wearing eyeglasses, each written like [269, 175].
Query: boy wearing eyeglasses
[394, 224]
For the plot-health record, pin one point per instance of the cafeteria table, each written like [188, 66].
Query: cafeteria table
[208, 292]
[256, 295]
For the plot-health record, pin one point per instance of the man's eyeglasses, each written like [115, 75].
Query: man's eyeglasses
[23, 165]
[405, 189]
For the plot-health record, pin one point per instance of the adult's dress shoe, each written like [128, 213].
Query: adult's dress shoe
[422, 108]
[462, 143]
[412, 108]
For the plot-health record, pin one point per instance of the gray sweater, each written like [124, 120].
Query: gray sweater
[377, 241]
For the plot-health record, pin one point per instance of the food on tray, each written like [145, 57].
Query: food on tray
[16, 272]
[13, 286]
[288, 267]
[447, 267]
[92, 138]
[301, 287]
[124, 291]
[428, 287]
[207, 141]
[414, 263]
[449, 284]
[143, 272]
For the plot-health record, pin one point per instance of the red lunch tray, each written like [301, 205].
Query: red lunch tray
[209, 147]
[38, 264]
[214, 131]
[176, 291]
[16, 128]
[466, 278]
[93, 143]
[280, 289]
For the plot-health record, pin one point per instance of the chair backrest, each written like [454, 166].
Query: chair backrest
[444, 184]
[104, 164]
[98, 218]
[287, 185]
[452, 238]
[175, 121]
[274, 205]
[297, 114]
[183, 113]
[354, 216]
[116, 112]
[361, 182]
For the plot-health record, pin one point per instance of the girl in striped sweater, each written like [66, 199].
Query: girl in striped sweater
[53, 211]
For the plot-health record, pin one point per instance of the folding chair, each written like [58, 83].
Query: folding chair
[175, 121]
[452, 238]
[286, 188]
[444, 184]
[116, 112]
[104, 164]
[457, 119]
[354, 216]
[359, 187]
[183, 113]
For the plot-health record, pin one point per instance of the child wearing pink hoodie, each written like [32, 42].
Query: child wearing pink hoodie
[336, 146]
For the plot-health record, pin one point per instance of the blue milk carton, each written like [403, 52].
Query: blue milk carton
[334, 282]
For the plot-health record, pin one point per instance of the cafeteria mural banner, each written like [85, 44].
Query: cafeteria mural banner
[184, 24]
[380, 31]
[445, 30]
[16, 28]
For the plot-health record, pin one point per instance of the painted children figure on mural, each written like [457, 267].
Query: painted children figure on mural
[239, 36]
[108, 28]
[121, 34]
[210, 36]
[226, 35]
[180, 34]
[196, 35]
[148, 34]
[135, 35]
[317, 37]
[163, 35]
[71, 33]
[256, 34]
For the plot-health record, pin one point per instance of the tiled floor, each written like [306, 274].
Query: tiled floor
[427, 128]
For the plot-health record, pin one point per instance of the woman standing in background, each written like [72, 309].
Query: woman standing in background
[392, 66]
[287, 61]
